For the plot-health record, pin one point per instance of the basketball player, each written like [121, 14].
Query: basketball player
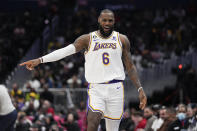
[8, 114]
[106, 50]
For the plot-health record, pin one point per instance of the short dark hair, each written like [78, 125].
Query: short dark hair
[150, 107]
[106, 11]
[137, 113]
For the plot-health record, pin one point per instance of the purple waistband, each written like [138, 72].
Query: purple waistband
[112, 81]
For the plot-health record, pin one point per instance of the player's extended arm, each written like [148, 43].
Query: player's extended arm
[80, 43]
[131, 69]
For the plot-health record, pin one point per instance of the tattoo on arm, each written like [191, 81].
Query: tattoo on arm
[82, 42]
[130, 67]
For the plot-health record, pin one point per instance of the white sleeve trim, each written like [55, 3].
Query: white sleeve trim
[59, 54]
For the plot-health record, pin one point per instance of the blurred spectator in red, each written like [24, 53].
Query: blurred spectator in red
[139, 121]
[47, 108]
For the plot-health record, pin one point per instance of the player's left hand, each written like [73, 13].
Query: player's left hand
[143, 99]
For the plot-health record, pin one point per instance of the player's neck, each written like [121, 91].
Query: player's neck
[102, 35]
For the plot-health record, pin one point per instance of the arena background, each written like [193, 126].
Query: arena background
[163, 37]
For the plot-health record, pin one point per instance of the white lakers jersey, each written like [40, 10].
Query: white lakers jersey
[103, 60]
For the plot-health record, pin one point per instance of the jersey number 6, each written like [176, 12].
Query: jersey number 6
[105, 58]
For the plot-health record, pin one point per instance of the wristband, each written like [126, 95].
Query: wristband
[41, 60]
[139, 89]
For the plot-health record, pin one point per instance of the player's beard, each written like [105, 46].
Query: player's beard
[105, 34]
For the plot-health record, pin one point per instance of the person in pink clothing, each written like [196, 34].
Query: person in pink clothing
[82, 116]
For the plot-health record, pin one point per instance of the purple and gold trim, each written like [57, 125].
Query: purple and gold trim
[89, 105]
[122, 109]
[102, 112]
[119, 42]
[96, 32]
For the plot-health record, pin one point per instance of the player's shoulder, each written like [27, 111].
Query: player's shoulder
[84, 38]
[123, 38]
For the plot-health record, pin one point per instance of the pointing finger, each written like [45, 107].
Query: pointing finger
[24, 63]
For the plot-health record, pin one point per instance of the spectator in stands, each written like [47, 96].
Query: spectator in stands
[193, 123]
[30, 90]
[15, 92]
[139, 121]
[22, 123]
[159, 121]
[48, 120]
[47, 108]
[32, 104]
[180, 123]
[150, 117]
[156, 108]
[190, 112]
[46, 94]
[126, 123]
[74, 82]
[34, 127]
[168, 120]
[71, 124]
[54, 127]
[81, 112]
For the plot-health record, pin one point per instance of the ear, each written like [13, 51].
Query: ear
[99, 19]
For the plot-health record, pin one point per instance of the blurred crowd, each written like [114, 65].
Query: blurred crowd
[17, 33]
[155, 35]
[161, 118]
[36, 112]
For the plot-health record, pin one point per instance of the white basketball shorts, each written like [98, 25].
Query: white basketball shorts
[107, 99]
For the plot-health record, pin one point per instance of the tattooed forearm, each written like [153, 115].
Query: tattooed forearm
[130, 67]
[132, 72]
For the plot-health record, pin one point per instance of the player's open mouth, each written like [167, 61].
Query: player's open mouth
[107, 28]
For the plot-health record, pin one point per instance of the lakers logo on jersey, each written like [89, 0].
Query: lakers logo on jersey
[104, 46]
[95, 38]
[114, 38]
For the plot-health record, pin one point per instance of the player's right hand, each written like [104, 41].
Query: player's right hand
[143, 99]
[31, 64]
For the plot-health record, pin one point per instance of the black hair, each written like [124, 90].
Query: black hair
[106, 11]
